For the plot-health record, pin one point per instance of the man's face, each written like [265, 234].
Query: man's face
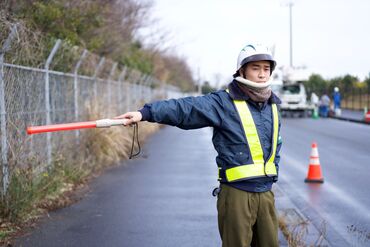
[257, 71]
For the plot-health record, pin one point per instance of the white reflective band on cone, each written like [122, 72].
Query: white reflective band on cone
[314, 152]
[106, 123]
[314, 161]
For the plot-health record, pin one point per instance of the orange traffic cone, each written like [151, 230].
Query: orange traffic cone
[314, 171]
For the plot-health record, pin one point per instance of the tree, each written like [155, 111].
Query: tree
[207, 88]
[346, 83]
[107, 28]
[316, 84]
[367, 81]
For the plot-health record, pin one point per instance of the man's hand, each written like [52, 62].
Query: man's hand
[132, 117]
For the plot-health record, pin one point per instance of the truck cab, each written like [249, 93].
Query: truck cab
[294, 100]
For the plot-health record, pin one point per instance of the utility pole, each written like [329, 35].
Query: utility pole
[290, 4]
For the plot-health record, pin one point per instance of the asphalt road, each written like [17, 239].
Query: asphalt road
[163, 198]
[341, 205]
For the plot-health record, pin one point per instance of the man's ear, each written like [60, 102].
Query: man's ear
[242, 71]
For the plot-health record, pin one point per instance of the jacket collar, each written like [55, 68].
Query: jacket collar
[236, 94]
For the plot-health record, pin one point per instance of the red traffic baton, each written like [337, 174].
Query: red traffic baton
[102, 123]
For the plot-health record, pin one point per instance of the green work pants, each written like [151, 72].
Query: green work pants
[247, 218]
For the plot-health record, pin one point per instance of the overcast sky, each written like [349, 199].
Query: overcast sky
[330, 37]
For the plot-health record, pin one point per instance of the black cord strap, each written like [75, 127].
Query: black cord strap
[136, 133]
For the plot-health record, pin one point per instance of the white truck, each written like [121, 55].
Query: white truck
[294, 100]
[292, 94]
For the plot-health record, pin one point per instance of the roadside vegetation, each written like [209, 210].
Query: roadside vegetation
[295, 232]
[109, 29]
[31, 194]
[106, 28]
[355, 93]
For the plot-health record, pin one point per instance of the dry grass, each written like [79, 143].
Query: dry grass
[104, 147]
[295, 232]
[30, 197]
[361, 235]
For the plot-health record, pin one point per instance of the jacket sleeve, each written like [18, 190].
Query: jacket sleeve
[186, 113]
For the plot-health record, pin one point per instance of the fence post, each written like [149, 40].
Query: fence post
[75, 89]
[4, 142]
[135, 80]
[120, 81]
[137, 88]
[142, 87]
[344, 99]
[163, 89]
[110, 81]
[100, 64]
[148, 89]
[152, 90]
[368, 92]
[47, 99]
[128, 92]
[360, 107]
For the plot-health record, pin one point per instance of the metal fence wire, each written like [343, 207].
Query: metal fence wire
[38, 96]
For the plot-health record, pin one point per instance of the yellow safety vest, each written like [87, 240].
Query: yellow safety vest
[259, 168]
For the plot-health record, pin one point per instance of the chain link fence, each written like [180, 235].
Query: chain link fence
[32, 96]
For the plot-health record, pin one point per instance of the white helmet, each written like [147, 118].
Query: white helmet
[336, 89]
[254, 52]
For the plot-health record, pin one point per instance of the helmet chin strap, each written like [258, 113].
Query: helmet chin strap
[253, 84]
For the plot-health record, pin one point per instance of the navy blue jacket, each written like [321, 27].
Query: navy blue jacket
[217, 110]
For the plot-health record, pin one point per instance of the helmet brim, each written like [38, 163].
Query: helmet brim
[258, 57]
[255, 58]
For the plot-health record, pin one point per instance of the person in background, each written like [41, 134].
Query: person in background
[324, 105]
[336, 101]
[315, 104]
[314, 99]
[246, 135]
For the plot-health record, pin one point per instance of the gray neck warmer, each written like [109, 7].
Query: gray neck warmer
[258, 92]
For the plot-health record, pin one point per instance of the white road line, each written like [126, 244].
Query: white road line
[339, 193]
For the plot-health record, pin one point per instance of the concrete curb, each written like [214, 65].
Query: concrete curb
[295, 218]
[351, 120]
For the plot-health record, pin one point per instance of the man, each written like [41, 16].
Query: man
[246, 129]
[324, 105]
[336, 101]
